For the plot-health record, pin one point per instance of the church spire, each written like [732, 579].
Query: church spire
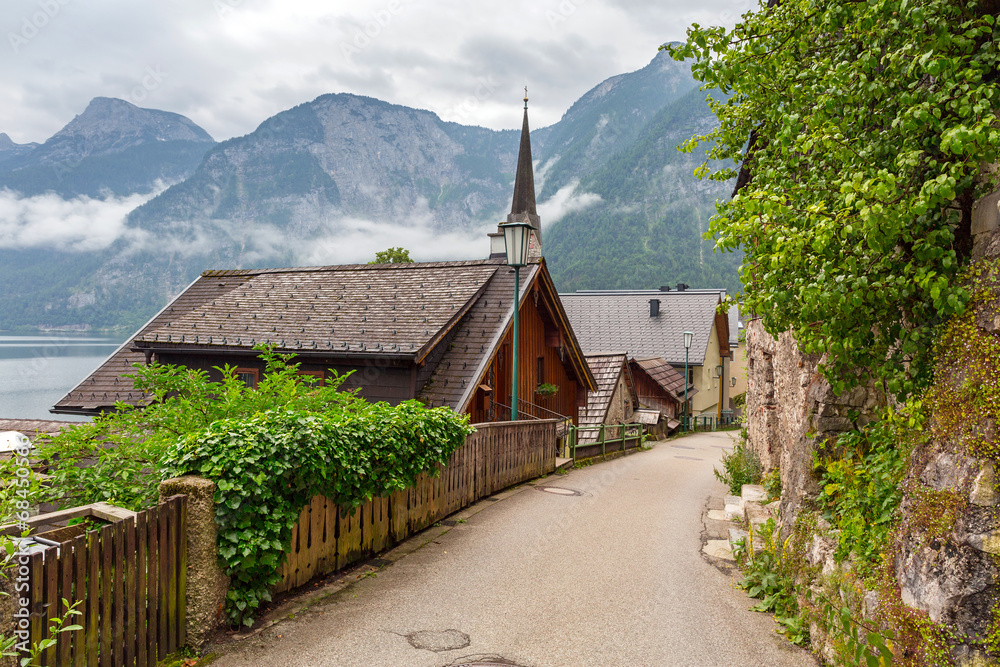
[522, 208]
[524, 180]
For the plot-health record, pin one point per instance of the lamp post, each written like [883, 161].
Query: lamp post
[718, 374]
[515, 240]
[688, 336]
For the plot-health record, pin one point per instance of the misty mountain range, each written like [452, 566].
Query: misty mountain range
[114, 214]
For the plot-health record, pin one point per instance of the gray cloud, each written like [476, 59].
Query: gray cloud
[230, 64]
[77, 225]
[566, 200]
[336, 240]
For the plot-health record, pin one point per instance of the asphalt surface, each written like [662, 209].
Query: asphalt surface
[614, 576]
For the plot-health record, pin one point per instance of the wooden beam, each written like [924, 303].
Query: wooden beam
[104, 511]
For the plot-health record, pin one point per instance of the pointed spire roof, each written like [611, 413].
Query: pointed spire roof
[524, 180]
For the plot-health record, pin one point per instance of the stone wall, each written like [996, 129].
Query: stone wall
[949, 573]
[791, 410]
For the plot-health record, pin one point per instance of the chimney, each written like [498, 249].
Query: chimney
[681, 287]
[664, 288]
[654, 307]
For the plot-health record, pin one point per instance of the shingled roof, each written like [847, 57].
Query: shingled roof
[474, 338]
[666, 376]
[607, 370]
[402, 312]
[346, 309]
[621, 320]
[357, 310]
[35, 429]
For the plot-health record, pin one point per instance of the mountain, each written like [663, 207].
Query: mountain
[608, 118]
[344, 155]
[10, 151]
[113, 147]
[620, 206]
[619, 143]
[647, 229]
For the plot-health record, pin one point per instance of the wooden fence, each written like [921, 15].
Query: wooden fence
[608, 438]
[130, 579]
[496, 456]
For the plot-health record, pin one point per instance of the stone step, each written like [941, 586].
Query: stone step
[753, 493]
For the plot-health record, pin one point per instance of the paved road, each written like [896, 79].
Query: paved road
[610, 577]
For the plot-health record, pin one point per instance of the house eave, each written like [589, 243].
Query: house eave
[141, 346]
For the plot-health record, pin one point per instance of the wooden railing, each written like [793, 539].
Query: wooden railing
[622, 437]
[496, 456]
[130, 580]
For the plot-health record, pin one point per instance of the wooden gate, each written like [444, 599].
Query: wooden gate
[130, 579]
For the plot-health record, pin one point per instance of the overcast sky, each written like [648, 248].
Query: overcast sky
[229, 64]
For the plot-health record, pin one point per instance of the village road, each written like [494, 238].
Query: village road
[612, 577]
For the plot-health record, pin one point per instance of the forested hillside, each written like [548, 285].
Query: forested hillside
[648, 228]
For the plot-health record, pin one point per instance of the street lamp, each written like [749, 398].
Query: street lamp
[688, 337]
[718, 374]
[516, 236]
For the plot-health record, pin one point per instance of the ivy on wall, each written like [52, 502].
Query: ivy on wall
[268, 467]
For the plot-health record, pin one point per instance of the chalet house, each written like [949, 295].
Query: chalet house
[648, 391]
[438, 332]
[615, 400]
[651, 324]
[659, 389]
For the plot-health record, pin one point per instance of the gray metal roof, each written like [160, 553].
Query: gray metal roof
[735, 324]
[621, 321]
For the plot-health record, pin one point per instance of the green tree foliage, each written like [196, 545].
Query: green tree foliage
[392, 256]
[869, 123]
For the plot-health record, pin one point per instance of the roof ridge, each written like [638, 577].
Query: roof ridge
[218, 273]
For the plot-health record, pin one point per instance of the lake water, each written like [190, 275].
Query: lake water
[36, 371]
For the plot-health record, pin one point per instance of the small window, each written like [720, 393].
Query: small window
[541, 371]
[690, 376]
[249, 376]
[319, 375]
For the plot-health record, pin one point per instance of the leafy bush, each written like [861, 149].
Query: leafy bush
[118, 457]
[740, 466]
[860, 492]
[268, 449]
[268, 467]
